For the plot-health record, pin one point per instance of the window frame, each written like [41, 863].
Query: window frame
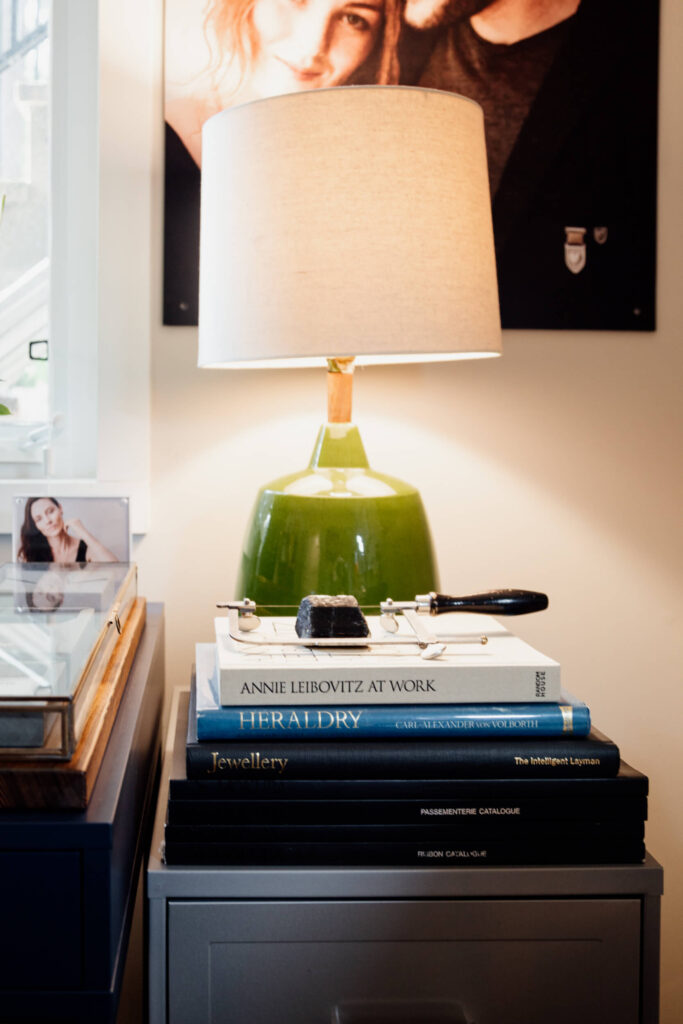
[106, 127]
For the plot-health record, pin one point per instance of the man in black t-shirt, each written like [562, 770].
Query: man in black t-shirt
[569, 95]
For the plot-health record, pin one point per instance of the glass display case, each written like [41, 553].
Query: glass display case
[58, 628]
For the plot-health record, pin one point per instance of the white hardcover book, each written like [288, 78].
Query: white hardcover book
[267, 669]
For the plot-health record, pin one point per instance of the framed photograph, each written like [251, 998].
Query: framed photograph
[569, 94]
[70, 531]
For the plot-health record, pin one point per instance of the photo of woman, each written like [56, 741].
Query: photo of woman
[242, 50]
[70, 531]
[47, 537]
[259, 48]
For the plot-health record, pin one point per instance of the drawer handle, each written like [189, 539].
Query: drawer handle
[399, 1012]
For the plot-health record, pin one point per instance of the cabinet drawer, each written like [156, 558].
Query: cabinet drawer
[481, 961]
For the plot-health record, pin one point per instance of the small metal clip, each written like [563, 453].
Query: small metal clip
[246, 613]
[114, 618]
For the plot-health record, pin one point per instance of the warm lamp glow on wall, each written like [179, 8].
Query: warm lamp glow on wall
[339, 225]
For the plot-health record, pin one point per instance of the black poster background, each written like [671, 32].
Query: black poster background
[585, 158]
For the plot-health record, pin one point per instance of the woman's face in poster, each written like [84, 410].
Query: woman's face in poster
[311, 44]
[47, 517]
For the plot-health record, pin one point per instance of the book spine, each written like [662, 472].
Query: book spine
[471, 721]
[422, 833]
[422, 758]
[428, 855]
[401, 812]
[393, 788]
[433, 684]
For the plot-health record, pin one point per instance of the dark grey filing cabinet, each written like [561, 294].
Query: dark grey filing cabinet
[68, 879]
[519, 945]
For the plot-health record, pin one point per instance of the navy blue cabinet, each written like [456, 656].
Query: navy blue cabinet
[69, 879]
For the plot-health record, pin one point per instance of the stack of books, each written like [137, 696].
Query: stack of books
[473, 758]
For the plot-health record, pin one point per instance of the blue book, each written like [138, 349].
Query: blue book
[376, 721]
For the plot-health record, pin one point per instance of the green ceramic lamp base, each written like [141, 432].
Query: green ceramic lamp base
[337, 527]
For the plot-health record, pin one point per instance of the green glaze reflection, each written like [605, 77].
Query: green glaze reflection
[337, 527]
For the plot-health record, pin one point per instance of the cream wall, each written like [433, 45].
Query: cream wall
[555, 468]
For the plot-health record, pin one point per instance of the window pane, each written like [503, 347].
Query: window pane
[24, 227]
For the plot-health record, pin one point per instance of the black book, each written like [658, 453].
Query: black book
[459, 759]
[411, 854]
[478, 809]
[574, 831]
[628, 783]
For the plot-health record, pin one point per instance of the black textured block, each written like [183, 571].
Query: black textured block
[321, 617]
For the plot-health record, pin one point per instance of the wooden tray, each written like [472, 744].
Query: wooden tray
[68, 784]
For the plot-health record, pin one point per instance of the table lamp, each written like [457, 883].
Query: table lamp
[341, 225]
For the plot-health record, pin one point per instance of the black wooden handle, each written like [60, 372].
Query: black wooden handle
[495, 602]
